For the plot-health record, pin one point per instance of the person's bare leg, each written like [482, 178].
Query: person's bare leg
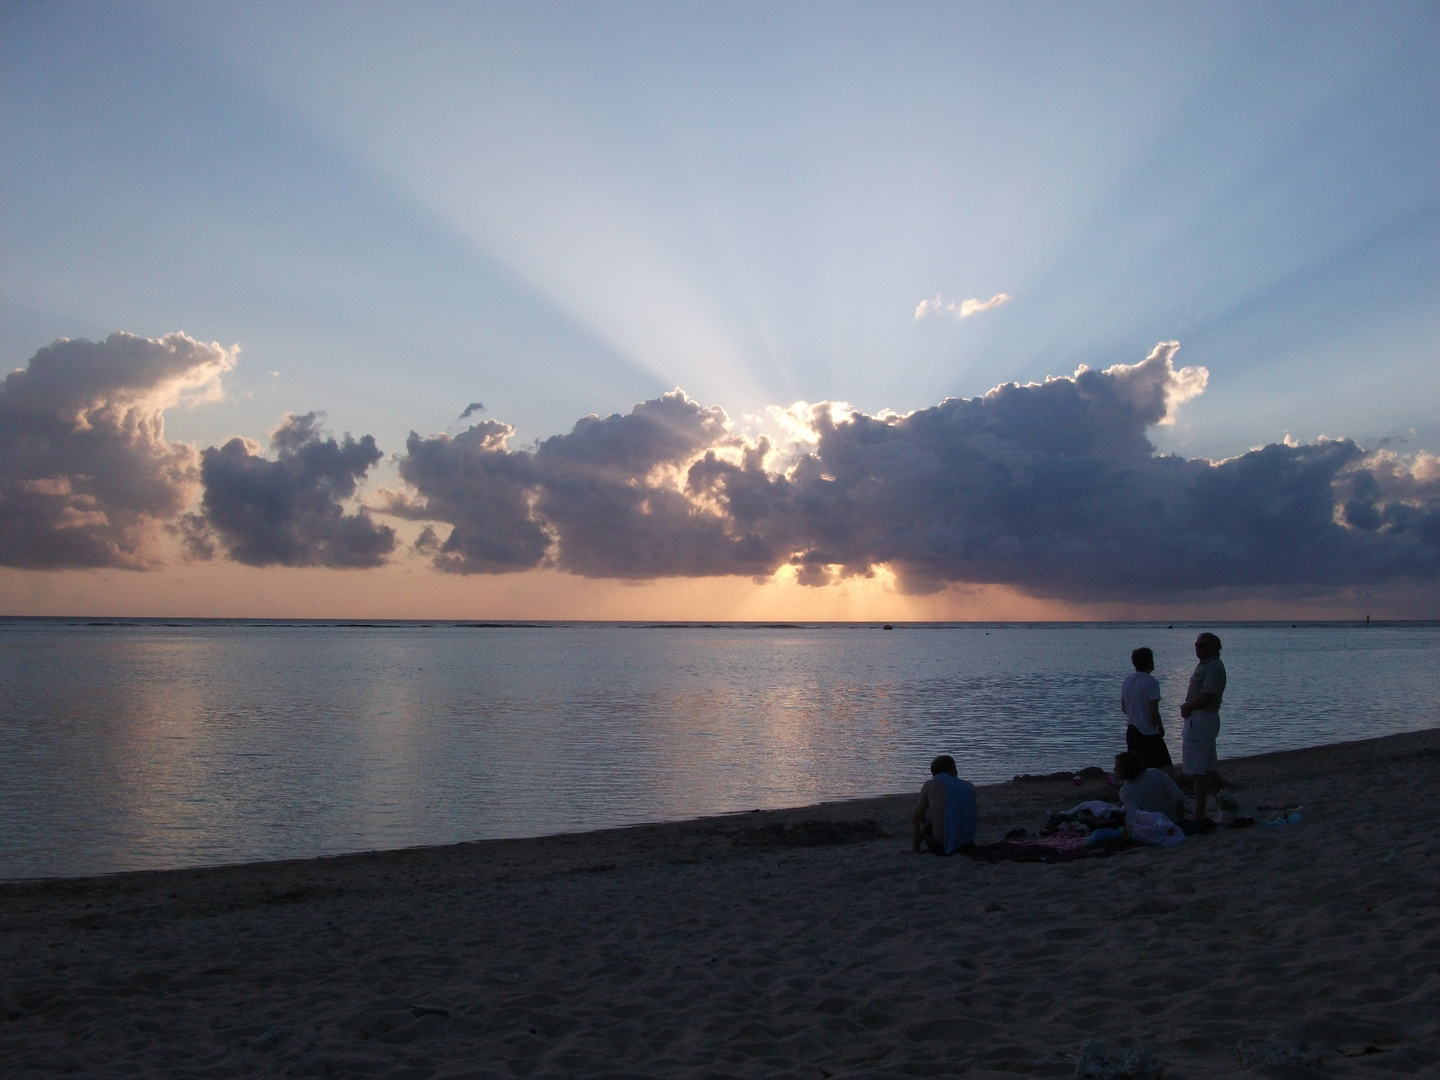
[915, 836]
[1202, 792]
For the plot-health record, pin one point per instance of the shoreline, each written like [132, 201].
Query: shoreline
[828, 810]
[723, 946]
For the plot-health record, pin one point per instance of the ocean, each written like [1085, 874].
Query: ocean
[141, 744]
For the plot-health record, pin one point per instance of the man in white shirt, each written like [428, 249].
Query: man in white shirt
[1140, 701]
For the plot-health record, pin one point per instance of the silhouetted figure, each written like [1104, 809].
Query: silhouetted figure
[1148, 789]
[1201, 711]
[944, 818]
[1140, 701]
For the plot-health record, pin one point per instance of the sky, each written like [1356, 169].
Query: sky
[753, 311]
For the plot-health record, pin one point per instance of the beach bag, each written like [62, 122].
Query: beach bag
[1153, 829]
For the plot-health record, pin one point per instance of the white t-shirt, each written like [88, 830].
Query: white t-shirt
[1139, 689]
[1155, 792]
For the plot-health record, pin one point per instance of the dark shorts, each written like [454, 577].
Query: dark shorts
[1151, 748]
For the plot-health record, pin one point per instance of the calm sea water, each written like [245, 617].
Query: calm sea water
[148, 744]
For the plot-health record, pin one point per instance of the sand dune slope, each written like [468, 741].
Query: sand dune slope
[726, 947]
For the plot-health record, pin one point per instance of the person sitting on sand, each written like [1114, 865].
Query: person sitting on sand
[944, 818]
[1140, 702]
[1201, 711]
[1148, 789]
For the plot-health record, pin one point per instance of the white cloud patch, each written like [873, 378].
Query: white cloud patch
[87, 477]
[1176, 385]
[963, 310]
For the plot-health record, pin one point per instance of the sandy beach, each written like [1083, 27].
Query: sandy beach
[754, 946]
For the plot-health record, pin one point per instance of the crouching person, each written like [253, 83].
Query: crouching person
[944, 818]
[1149, 790]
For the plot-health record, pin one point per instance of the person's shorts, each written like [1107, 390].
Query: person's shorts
[1197, 744]
[1151, 748]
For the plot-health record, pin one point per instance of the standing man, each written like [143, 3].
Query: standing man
[1140, 702]
[1202, 721]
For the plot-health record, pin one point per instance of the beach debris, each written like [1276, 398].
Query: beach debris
[1278, 1054]
[1284, 817]
[1100, 1060]
[1090, 772]
[811, 834]
[430, 1010]
[270, 1036]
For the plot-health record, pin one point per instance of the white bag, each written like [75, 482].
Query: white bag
[1153, 829]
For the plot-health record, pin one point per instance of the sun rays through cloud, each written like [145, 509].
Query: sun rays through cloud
[632, 291]
[1015, 489]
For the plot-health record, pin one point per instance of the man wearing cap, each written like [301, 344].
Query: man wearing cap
[1201, 711]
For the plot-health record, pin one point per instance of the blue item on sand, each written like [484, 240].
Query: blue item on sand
[960, 812]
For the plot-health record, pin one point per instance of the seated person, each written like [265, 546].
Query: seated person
[944, 818]
[1148, 789]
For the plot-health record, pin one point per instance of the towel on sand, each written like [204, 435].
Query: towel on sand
[960, 812]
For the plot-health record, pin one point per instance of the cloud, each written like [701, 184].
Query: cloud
[482, 490]
[471, 409]
[87, 478]
[1053, 487]
[618, 494]
[287, 512]
[962, 310]
[608, 499]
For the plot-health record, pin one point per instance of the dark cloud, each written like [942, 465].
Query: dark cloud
[484, 491]
[614, 493]
[1054, 488]
[287, 511]
[471, 409]
[87, 478]
[602, 501]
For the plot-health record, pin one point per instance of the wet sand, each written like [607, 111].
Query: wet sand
[730, 947]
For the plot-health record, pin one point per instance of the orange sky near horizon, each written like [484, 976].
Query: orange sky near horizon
[410, 590]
